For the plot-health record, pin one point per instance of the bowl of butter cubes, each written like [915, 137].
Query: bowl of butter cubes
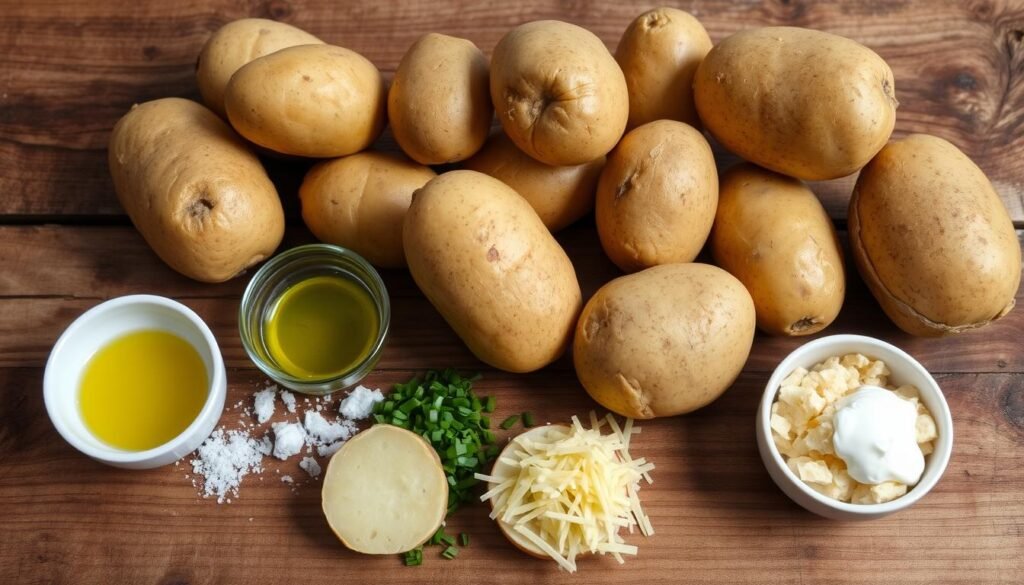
[853, 428]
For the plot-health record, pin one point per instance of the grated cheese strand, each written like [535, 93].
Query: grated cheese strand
[569, 490]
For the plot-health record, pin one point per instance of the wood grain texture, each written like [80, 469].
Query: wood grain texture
[69, 70]
[51, 274]
[717, 515]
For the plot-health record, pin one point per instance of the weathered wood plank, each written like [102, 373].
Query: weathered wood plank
[71, 69]
[51, 274]
[717, 515]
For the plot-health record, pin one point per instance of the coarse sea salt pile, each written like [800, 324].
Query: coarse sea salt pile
[228, 456]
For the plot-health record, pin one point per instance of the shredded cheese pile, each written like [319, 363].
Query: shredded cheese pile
[568, 491]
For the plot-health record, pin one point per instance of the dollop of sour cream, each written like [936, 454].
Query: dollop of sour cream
[874, 435]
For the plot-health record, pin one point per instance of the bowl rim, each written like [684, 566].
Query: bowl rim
[939, 457]
[336, 382]
[214, 395]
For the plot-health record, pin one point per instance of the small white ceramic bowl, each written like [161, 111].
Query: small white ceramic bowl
[905, 370]
[101, 325]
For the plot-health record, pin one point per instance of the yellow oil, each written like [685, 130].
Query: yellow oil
[142, 390]
[321, 327]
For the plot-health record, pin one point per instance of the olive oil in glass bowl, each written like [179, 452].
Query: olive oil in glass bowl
[315, 318]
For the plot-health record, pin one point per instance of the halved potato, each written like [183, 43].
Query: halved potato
[385, 491]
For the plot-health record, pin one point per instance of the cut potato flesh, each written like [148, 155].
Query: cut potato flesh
[385, 491]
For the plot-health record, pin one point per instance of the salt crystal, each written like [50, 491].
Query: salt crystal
[328, 432]
[263, 404]
[310, 466]
[289, 438]
[328, 450]
[223, 460]
[287, 479]
[289, 400]
[359, 403]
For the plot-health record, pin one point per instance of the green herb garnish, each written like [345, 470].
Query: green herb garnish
[464, 538]
[413, 557]
[443, 409]
[509, 422]
[528, 421]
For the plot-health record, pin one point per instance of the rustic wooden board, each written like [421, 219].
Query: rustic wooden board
[718, 517]
[71, 69]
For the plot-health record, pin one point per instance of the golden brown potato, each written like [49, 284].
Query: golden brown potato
[659, 54]
[559, 195]
[359, 202]
[558, 92]
[194, 190]
[772, 233]
[317, 101]
[484, 259]
[664, 341]
[657, 196]
[805, 103]
[237, 43]
[439, 104]
[932, 239]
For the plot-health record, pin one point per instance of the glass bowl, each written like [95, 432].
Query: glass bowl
[284, 271]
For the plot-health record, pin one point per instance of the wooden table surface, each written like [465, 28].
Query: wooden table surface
[69, 69]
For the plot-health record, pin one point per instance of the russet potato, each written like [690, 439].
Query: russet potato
[317, 101]
[484, 259]
[932, 239]
[558, 92]
[659, 54]
[559, 195]
[439, 104]
[664, 341]
[773, 234]
[801, 102]
[195, 191]
[657, 196]
[359, 202]
[237, 43]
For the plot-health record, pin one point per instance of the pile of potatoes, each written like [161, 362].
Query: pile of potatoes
[581, 130]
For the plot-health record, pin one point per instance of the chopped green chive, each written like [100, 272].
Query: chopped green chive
[464, 538]
[528, 420]
[414, 557]
[441, 407]
[509, 422]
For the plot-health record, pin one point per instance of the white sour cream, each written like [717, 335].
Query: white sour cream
[874, 435]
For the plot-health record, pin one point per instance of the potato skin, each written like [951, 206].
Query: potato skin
[484, 259]
[773, 234]
[439, 104]
[932, 239]
[313, 100]
[194, 190]
[559, 195]
[237, 43]
[804, 103]
[664, 341]
[558, 92]
[359, 202]
[657, 195]
[659, 53]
